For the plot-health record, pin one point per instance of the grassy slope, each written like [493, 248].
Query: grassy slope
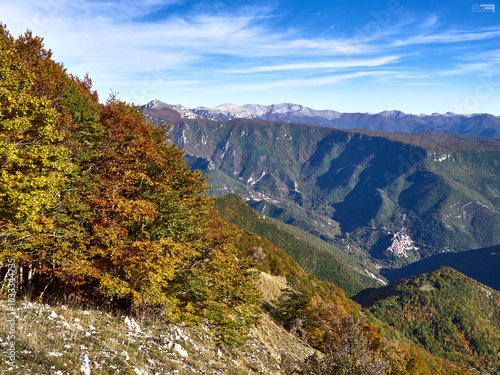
[55, 340]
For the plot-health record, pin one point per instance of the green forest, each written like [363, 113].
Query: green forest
[451, 315]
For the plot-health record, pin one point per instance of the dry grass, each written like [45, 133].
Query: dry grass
[57, 340]
[271, 287]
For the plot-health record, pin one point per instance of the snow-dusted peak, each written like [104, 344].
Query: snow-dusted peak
[259, 110]
[392, 113]
[156, 104]
[235, 111]
[292, 109]
[285, 108]
[224, 112]
[230, 111]
[183, 111]
[325, 113]
[229, 107]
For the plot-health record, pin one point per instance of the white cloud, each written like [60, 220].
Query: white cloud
[487, 62]
[305, 82]
[121, 49]
[96, 40]
[451, 36]
[430, 21]
[321, 65]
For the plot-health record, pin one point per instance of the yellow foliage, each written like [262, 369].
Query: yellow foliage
[93, 196]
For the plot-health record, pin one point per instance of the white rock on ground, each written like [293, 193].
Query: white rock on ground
[168, 345]
[180, 350]
[132, 324]
[85, 368]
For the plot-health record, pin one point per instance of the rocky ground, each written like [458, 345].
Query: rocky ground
[62, 340]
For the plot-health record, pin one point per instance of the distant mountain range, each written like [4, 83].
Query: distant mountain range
[389, 198]
[484, 125]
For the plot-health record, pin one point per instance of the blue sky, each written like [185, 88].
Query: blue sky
[351, 56]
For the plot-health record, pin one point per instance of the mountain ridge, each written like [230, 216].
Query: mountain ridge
[479, 124]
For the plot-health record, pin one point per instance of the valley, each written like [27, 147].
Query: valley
[385, 198]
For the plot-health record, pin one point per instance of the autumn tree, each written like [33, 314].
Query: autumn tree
[348, 350]
[95, 198]
[33, 163]
[157, 238]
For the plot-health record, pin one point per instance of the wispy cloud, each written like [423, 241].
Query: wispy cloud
[103, 42]
[430, 21]
[487, 62]
[450, 36]
[178, 45]
[306, 82]
[321, 65]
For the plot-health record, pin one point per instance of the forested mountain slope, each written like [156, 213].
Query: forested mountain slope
[324, 264]
[399, 197]
[451, 315]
